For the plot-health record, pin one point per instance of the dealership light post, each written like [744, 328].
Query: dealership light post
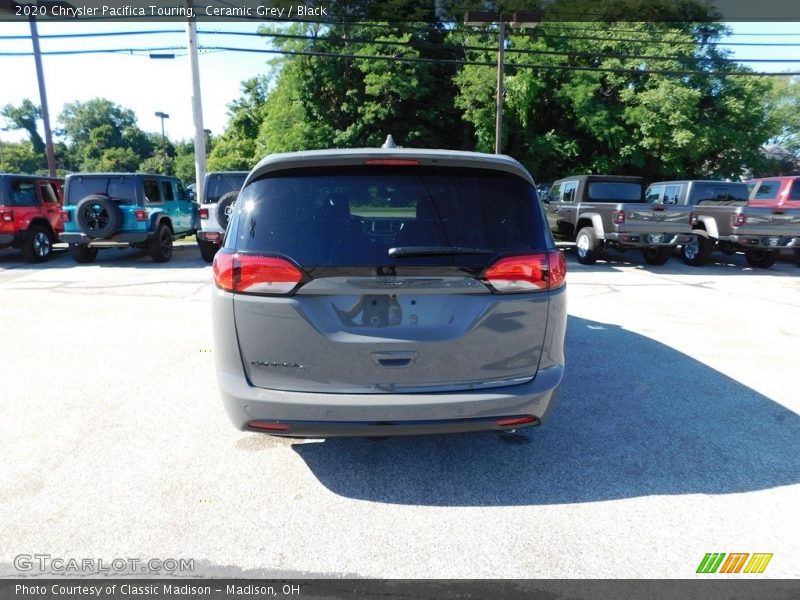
[478, 18]
[163, 116]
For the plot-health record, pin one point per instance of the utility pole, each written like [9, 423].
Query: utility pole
[162, 116]
[197, 106]
[48, 134]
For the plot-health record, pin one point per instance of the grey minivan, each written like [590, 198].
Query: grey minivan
[379, 292]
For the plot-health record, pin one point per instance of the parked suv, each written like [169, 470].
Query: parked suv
[609, 211]
[108, 210]
[30, 214]
[387, 292]
[726, 221]
[775, 192]
[220, 190]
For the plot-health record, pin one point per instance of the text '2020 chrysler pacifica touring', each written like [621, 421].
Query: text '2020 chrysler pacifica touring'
[382, 292]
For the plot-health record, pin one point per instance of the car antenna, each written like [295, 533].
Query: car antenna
[389, 143]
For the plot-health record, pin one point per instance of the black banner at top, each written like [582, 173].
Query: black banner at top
[442, 11]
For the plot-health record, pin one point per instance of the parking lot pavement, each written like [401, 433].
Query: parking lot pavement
[677, 434]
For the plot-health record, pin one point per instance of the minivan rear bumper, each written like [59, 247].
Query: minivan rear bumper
[328, 415]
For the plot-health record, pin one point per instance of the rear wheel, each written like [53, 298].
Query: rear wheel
[588, 247]
[797, 257]
[657, 256]
[37, 245]
[761, 259]
[207, 250]
[160, 247]
[697, 252]
[81, 253]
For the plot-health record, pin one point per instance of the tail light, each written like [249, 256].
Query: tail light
[253, 274]
[738, 220]
[7, 216]
[692, 219]
[141, 215]
[529, 273]
[204, 213]
[66, 216]
[618, 216]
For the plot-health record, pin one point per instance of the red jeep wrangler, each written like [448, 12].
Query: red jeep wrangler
[30, 214]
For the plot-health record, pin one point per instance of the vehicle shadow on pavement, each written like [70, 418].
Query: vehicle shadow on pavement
[667, 424]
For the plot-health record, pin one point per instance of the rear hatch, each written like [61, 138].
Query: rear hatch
[393, 296]
[767, 222]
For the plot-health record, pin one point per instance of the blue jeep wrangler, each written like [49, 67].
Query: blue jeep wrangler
[139, 210]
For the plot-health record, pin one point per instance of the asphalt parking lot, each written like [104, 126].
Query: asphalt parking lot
[677, 434]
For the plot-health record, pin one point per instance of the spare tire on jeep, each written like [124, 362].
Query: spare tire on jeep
[225, 207]
[98, 216]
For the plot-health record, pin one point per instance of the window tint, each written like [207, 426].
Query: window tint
[719, 194]
[183, 195]
[555, 192]
[569, 191]
[151, 191]
[166, 187]
[23, 193]
[653, 194]
[767, 190]
[48, 193]
[672, 194]
[352, 216]
[794, 193]
[119, 188]
[614, 191]
[221, 184]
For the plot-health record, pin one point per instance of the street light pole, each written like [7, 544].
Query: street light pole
[528, 19]
[163, 116]
[197, 108]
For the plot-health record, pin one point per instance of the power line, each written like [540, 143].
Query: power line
[409, 59]
[423, 45]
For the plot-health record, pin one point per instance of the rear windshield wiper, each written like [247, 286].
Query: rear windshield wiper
[402, 251]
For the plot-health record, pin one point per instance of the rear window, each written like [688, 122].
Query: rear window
[719, 194]
[119, 188]
[766, 190]
[352, 216]
[614, 191]
[219, 185]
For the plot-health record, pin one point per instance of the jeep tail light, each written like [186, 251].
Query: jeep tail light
[7, 216]
[738, 220]
[618, 216]
[254, 274]
[66, 216]
[692, 219]
[529, 273]
[141, 215]
[204, 213]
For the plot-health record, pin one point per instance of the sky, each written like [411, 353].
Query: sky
[148, 85]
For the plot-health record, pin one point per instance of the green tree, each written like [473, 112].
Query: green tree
[25, 116]
[592, 105]
[19, 157]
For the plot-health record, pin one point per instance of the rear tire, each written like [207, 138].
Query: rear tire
[207, 250]
[37, 245]
[797, 257]
[697, 252]
[761, 259]
[225, 208]
[588, 248]
[160, 247]
[82, 254]
[657, 256]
